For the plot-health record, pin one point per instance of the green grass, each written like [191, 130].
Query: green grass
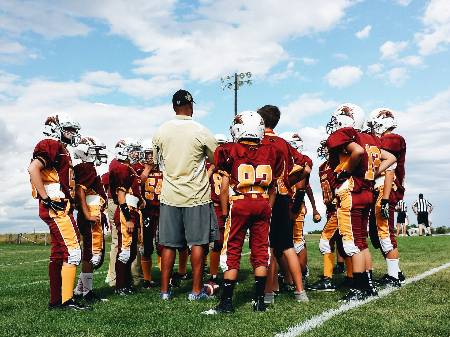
[419, 309]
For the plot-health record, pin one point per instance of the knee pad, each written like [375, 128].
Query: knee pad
[386, 245]
[124, 256]
[324, 246]
[74, 257]
[350, 248]
[299, 246]
[223, 262]
[96, 260]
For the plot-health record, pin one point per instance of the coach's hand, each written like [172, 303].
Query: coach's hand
[130, 227]
[385, 208]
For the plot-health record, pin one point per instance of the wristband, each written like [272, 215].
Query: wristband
[125, 211]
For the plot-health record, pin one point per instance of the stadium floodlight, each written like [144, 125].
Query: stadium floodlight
[235, 82]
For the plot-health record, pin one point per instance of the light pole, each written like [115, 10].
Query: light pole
[235, 82]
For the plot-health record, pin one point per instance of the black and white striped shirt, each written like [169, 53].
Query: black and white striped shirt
[422, 205]
[401, 206]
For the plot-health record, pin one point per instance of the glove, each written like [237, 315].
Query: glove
[147, 222]
[298, 201]
[342, 176]
[57, 206]
[385, 208]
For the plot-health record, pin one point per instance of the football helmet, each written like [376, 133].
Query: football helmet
[91, 150]
[221, 138]
[346, 115]
[129, 149]
[382, 119]
[147, 147]
[62, 127]
[247, 125]
[293, 139]
[322, 150]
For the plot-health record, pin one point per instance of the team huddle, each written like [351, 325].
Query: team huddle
[258, 184]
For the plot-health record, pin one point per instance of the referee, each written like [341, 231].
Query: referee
[421, 208]
[401, 217]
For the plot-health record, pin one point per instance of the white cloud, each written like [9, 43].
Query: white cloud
[397, 76]
[375, 68]
[391, 49]
[364, 33]
[340, 56]
[344, 76]
[309, 61]
[305, 106]
[403, 2]
[287, 73]
[412, 60]
[436, 33]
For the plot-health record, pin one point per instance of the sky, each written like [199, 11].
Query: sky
[114, 66]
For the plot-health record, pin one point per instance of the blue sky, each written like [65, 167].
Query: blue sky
[115, 65]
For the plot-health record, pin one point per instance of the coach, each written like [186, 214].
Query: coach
[180, 148]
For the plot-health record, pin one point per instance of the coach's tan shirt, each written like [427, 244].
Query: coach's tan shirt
[181, 147]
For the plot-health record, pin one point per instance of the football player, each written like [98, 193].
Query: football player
[215, 180]
[389, 189]
[250, 169]
[125, 186]
[52, 179]
[281, 232]
[330, 233]
[91, 202]
[357, 159]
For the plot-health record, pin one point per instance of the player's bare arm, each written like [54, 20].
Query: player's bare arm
[224, 194]
[35, 168]
[310, 194]
[387, 159]
[299, 175]
[356, 152]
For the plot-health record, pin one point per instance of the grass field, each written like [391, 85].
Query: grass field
[418, 309]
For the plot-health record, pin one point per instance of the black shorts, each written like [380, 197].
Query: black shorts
[281, 231]
[401, 217]
[422, 218]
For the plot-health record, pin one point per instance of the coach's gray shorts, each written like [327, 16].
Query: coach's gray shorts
[192, 226]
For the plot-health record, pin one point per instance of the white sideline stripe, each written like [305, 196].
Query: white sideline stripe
[318, 320]
[20, 263]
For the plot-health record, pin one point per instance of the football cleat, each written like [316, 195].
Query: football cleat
[401, 277]
[258, 304]
[324, 284]
[92, 297]
[175, 280]
[148, 284]
[224, 307]
[269, 298]
[389, 281]
[52, 306]
[300, 296]
[166, 296]
[73, 305]
[122, 292]
[354, 295]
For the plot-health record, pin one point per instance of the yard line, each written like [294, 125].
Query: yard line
[20, 263]
[318, 320]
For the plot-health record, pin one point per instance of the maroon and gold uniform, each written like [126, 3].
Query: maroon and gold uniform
[59, 183]
[355, 194]
[93, 237]
[382, 229]
[252, 170]
[123, 177]
[215, 180]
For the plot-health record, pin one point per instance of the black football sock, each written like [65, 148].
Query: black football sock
[340, 264]
[358, 280]
[227, 289]
[260, 285]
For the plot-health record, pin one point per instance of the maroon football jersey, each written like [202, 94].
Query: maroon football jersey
[152, 189]
[86, 176]
[123, 176]
[252, 168]
[396, 145]
[58, 166]
[327, 183]
[286, 150]
[364, 174]
[105, 182]
[300, 159]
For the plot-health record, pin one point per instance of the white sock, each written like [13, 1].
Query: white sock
[392, 267]
[79, 287]
[87, 282]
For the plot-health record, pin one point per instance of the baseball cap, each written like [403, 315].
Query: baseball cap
[182, 97]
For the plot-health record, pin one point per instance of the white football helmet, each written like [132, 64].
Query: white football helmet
[247, 125]
[221, 138]
[129, 149]
[381, 120]
[91, 150]
[293, 139]
[147, 147]
[62, 127]
[346, 115]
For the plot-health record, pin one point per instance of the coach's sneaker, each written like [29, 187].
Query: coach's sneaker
[389, 281]
[300, 296]
[258, 304]
[401, 277]
[269, 298]
[225, 306]
[165, 296]
[202, 295]
[323, 284]
[74, 305]
[354, 295]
